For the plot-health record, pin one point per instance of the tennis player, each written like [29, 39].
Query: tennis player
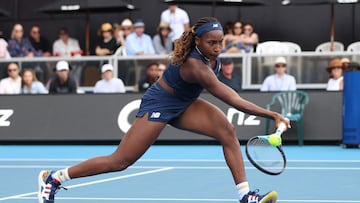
[174, 99]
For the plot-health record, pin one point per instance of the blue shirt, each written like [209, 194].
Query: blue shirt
[275, 83]
[36, 88]
[22, 48]
[136, 44]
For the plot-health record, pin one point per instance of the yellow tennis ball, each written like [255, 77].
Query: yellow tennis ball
[275, 140]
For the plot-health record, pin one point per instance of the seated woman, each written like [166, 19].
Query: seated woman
[249, 38]
[232, 42]
[335, 82]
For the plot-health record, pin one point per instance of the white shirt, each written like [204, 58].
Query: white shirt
[176, 21]
[334, 85]
[115, 85]
[10, 86]
[275, 83]
[62, 49]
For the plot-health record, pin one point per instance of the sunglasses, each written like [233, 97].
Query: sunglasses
[280, 65]
[12, 70]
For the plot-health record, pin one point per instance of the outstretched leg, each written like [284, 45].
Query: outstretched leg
[136, 141]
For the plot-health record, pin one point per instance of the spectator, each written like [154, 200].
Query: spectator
[11, 84]
[107, 44]
[139, 43]
[122, 31]
[232, 42]
[227, 75]
[65, 45]
[161, 69]
[18, 45]
[162, 41]
[229, 28]
[4, 53]
[336, 80]
[151, 76]
[40, 43]
[280, 81]
[62, 83]
[177, 18]
[249, 38]
[346, 63]
[30, 84]
[109, 83]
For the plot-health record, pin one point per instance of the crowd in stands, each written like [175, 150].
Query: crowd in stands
[129, 38]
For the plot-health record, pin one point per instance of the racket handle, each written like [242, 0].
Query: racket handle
[280, 129]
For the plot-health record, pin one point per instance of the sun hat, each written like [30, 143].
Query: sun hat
[336, 62]
[106, 27]
[163, 25]
[280, 60]
[126, 23]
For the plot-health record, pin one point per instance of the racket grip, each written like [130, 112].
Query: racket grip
[281, 128]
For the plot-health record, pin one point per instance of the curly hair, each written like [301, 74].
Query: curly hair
[186, 42]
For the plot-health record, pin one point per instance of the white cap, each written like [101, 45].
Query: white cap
[62, 65]
[106, 67]
[280, 60]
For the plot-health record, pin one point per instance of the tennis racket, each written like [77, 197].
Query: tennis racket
[264, 156]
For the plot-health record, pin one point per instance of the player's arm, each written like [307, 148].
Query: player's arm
[196, 71]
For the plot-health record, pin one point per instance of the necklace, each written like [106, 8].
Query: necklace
[206, 58]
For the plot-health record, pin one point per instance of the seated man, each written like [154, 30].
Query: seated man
[66, 45]
[139, 43]
[62, 83]
[227, 75]
[152, 75]
[109, 83]
[11, 84]
[279, 81]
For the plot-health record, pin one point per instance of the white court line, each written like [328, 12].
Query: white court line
[94, 182]
[172, 160]
[187, 199]
[187, 167]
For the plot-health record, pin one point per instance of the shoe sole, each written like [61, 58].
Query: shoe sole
[41, 179]
[271, 197]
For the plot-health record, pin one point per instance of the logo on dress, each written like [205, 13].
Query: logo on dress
[155, 115]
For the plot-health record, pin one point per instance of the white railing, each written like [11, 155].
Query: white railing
[307, 67]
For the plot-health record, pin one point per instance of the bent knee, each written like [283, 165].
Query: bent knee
[228, 134]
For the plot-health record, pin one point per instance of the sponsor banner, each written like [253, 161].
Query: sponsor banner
[106, 117]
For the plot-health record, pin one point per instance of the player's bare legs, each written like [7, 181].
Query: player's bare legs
[205, 118]
[137, 140]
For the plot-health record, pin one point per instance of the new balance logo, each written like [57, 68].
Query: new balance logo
[155, 115]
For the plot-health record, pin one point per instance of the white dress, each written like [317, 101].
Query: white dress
[334, 85]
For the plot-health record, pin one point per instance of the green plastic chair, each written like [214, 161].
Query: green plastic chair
[292, 104]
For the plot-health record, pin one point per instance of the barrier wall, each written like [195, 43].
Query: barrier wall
[105, 117]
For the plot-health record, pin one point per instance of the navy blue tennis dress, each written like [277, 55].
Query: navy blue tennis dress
[163, 106]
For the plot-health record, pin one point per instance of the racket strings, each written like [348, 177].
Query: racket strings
[265, 156]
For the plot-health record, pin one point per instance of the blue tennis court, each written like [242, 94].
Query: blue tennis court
[194, 173]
